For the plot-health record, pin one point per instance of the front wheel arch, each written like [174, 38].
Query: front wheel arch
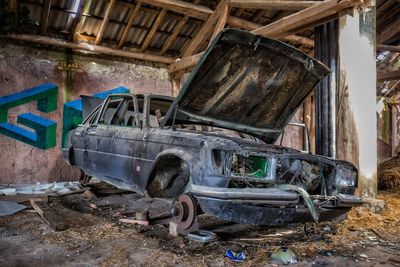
[169, 177]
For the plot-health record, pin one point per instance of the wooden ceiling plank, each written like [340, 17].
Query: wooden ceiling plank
[153, 29]
[391, 48]
[272, 4]
[388, 76]
[106, 18]
[201, 12]
[91, 48]
[389, 32]
[171, 39]
[77, 20]
[250, 26]
[187, 8]
[305, 18]
[135, 12]
[45, 16]
[204, 31]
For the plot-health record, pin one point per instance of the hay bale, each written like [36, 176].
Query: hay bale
[389, 173]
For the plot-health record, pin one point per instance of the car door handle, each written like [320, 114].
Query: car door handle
[91, 130]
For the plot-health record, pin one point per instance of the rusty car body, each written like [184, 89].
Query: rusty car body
[212, 148]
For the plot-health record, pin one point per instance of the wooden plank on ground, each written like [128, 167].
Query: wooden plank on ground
[49, 215]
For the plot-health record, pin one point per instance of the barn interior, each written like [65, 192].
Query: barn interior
[54, 51]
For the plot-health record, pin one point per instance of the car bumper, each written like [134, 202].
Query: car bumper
[267, 206]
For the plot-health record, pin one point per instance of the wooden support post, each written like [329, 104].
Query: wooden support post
[45, 16]
[356, 127]
[132, 18]
[394, 122]
[104, 23]
[175, 86]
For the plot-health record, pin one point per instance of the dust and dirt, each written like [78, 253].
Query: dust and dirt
[96, 237]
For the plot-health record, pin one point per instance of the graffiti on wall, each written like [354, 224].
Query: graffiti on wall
[72, 112]
[44, 135]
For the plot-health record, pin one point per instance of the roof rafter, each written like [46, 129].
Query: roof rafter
[203, 13]
[308, 17]
[135, 12]
[204, 31]
[91, 48]
[45, 16]
[272, 4]
[103, 25]
[77, 19]
[153, 29]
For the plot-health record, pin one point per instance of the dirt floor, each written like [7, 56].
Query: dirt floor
[95, 237]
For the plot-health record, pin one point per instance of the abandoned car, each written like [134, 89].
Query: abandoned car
[212, 149]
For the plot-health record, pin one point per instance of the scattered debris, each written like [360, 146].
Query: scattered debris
[284, 256]
[235, 256]
[202, 236]
[55, 188]
[49, 215]
[133, 221]
[88, 194]
[9, 208]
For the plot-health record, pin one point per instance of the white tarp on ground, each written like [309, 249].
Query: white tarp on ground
[40, 189]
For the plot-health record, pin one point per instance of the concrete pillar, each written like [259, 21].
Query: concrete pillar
[356, 115]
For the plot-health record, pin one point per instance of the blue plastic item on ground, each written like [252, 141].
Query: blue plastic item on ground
[235, 256]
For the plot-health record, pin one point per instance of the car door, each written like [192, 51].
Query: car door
[118, 136]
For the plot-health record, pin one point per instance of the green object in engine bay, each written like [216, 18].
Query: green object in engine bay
[260, 166]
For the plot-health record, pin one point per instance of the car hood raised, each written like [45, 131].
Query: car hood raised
[248, 83]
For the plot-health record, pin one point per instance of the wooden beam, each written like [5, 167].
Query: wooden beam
[391, 48]
[388, 76]
[103, 25]
[185, 63]
[250, 26]
[272, 4]
[92, 48]
[204, 32]
[45, 16]
[76, 21]
[183, 7]
[222, 17]
[135, 12]
[306, 18]
[153, 29]
[171, 39]
[389, 32]
[202, 13]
